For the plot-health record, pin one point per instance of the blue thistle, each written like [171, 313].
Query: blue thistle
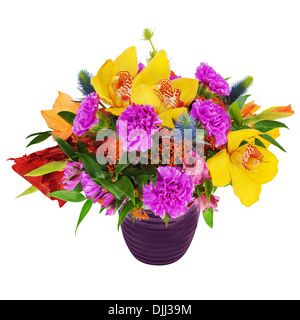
[238, 90]
[185, 121]
[84, 82]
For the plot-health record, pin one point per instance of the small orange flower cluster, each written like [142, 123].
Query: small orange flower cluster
[75, 138]
[211, 145]
[139, 214]
[111, 169]
[174, 154]
[91, 147]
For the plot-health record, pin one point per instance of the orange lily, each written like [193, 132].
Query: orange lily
[273, 113]
[61, 128]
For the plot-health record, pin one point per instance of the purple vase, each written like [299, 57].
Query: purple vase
[151, 242]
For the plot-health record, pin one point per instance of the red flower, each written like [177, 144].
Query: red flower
[48, 183]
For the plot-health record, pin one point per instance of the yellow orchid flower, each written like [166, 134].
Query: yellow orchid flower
[61, 128]
[119, 86]
[113, 82]
[169, 98]
[246, 167]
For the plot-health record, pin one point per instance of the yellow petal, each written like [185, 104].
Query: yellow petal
[267, 170]
[168, 116]
[188, 88]
[145, 95]
[245, 188]
[219, 168]
[158, 68]
[115, 111]
[101, 80]
[127, 61]
[236, 137]
[116, 99]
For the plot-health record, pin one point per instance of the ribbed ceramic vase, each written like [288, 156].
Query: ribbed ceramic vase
[151, 242]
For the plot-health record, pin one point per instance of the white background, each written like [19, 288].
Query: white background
[251, 253]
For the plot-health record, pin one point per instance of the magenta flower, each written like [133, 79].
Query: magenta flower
[214, 119]
[71, 176]
[109, 202]
[90, 188]
[136, 125]
[173, 76]
[203, 204]
[212, 80]
[86, 114]
[141, 67]
[195, 167]
[173, 191]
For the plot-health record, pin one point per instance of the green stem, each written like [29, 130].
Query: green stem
[152, 45]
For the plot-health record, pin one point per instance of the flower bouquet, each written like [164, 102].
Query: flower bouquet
[153, 147]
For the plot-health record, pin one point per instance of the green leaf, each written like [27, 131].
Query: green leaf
[91, 166]
[267, 125]
[66, 148]
[84, 211]
[126, 186]
[67, 116]
[143, 179]
[235, 114]
[132, 172]
[40, 137]
[235, 127]
[118, 204]
[259, 143]
[150, 169]
[30, 190]
[244, 142]
[208, 216]
[166, 219]
[111, 187]
[208, 185]
[72, 196]
[200, 190]
[128, 206]
[37, 133]
[120, 167]
[241, 101]
[47, 168]
[272, 140]
[78, 188]
[235, 110]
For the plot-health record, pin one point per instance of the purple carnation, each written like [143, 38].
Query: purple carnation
[214, 119]
[136, 125]
[90, 188]
[212, 80]
[174, 190]
[71, 175]
[86, 114]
